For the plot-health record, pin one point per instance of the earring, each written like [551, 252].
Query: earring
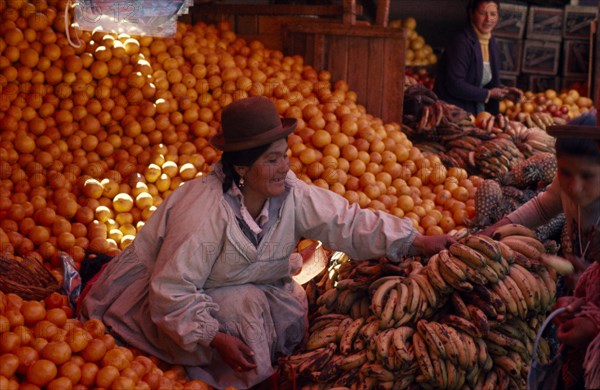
[241, 183]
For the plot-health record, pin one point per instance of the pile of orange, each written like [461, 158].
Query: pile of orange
[42, 346]
[94, 137]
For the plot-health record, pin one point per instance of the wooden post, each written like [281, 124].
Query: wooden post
[383, 12]
[349, 12]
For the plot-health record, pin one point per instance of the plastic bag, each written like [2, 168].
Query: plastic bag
[545, 376]
[134, 17]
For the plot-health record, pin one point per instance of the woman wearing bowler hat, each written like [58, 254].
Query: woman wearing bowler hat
[207, 283]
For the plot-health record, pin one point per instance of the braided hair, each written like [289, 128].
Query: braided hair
[245, 158]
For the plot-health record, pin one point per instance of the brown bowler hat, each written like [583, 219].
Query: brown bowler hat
[249, 123]
[583, 126]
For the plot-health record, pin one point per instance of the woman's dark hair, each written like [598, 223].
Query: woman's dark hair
[472, 5]
[243, 158]
[574, 146]
[580, 147]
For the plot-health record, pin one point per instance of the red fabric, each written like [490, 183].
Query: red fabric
[87, 288]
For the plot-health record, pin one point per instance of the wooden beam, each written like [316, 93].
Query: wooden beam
[383, 12]
[273, 9]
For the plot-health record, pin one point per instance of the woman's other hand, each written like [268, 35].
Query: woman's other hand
[234, 352]
[571, 303]
[577, 332]
[430, 245]
[513, 94]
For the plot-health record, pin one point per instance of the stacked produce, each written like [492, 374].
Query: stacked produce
[559, 106]
[418, 52]
[468, 316]
[486, 145]
[42, 347]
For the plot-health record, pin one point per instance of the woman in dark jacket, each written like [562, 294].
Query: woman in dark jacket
[468, 71]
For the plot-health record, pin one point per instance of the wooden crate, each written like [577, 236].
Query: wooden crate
[578, 21]
[576, 58]
[545, 23]
[540, 57]
[510, 55]
[263, 22]
[513, 18]
[369, 58]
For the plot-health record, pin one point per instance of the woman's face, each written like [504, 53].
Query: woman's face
[485, 17]
[579, 178]
[266, 177]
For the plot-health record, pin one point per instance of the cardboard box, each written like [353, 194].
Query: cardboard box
[545, 23]
[542, 83]
[540, 57]
[513, 18]
[578, 20]
[576, 58]
[510, 55]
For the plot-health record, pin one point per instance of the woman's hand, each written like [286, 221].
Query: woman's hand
[234, 352]
[577, 332]
[430, 245]
[571, 303]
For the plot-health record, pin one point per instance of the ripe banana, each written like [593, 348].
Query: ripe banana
[447, 263]
[525, 280]
[377, 371]
[468, 255]
[491, 381]
[346, 299]
[426, 289]
[343, 325]
[386, 319]
[479, 319]
[462, 324]
[350, 333]
[434, 343]
[490, 274]
[383, 342]
[503, 340]
[322, 337]
[460, 308]
[352, 361]
[317, 361]
[508, 365]
[485, 306]
[484, 245]
[328, 298]
[401, 308]
[440, 376]
[414, 294]
[517, 295]
[466, 345]
[518, 244]
[325, 320]
[450, 339]
[558, 263]
[512, 229]
[482, 352]
[433, 274]
[507, 253]
[502, 290]
[402, 335]
[381, 293]
[546, 299]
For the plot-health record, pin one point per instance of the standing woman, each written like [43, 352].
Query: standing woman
[207, 282]
[468, 71]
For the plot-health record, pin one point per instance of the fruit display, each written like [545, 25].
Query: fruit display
[468, 317]
[418, 52]
[535, 108]
[42, 346]
[486, 145]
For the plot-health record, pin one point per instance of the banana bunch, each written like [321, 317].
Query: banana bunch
[448, 358]
[496, 157]
[530, 140]
[540, 120]
[467, 318]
